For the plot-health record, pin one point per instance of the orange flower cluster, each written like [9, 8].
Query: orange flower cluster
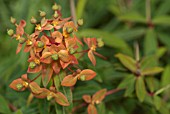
[52, 48]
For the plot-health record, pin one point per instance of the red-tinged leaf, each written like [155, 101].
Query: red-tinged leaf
[46, 57]
[69, 81]
[92, 57]
[22, 23]
[48, 27]
[27, 48]
[35, 88]
[19, 47]
[71, 25]
[45, 39]
[99, 96]
[19, 30]
[70, 42]
[46, 75]
[18, 85]
[78, 40]
[43, 94]
[87, 73]
[63, 64]
[73, 59]
[64, 56]
[61, 99]
[91, 109]
[90, 41]
[56, 67]
[24, 77]
[34, 70]
[43, 22]
[99, 55]
[87, 98]
[57, 36]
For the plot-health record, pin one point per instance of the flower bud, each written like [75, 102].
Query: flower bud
[59, 7]
[42, 14]
[100, 42]
[83, 78]
[72, 50]
[80, 22]
[69, 30]
[54, 57]
[50, 96]
[55, 15]
[13, 20]
[55, 7]
[19, 86]
[22, 40]
[40, 44]
[10, 32]
[32, 65]
[33, 20]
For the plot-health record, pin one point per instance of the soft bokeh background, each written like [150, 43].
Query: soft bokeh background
[120, 23]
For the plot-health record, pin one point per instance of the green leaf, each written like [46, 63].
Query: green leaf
[18, 112]
[57, 82]
[61, 99]
[150, 42]
[164, 38]
[165, 78]
[162, 20]
[132, 17]
[67, 92]
[151, 71]
[80, 8]
[126, 81]
[161, 51]
[157, 102]
[140, 88]
[46, 75]
[127, 61]
[150, 83]
[148, 62]
[162, 90]
[4, 106]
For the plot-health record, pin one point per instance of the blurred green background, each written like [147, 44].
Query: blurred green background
[120, 23]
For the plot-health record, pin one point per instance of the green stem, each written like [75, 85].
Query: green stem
[148, 11]
[72, 8]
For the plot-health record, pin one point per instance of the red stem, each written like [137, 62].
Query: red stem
[36, 77]
[112, 91]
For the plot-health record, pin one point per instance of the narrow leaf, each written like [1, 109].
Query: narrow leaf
[127, 61]
[151, 71]
[61, 99]
[91, 109]
[4, 106]
[46, 75]
[87, 98]
[69, 81]
[140, 89]
[99, 96]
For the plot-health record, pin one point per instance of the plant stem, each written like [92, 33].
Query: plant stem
[137, 55]
[112, 91]
[148, 11]
[72, 8]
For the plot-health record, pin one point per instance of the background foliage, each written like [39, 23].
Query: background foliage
[120, 23]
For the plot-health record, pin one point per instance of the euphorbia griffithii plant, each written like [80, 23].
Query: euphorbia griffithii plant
[52, 48]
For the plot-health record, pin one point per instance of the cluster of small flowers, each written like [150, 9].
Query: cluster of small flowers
[52, 48]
